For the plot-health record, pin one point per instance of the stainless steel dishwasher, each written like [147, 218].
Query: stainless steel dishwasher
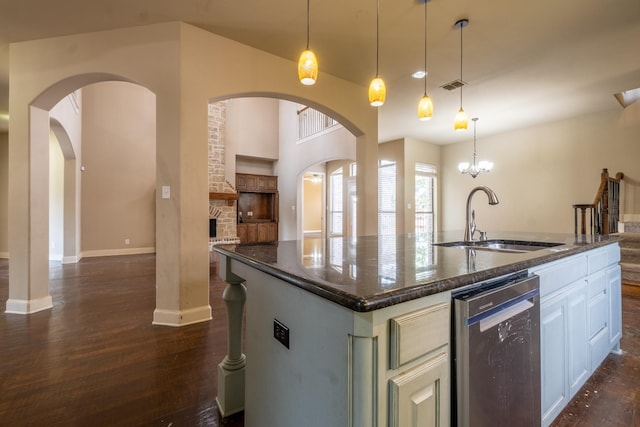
[496, 353]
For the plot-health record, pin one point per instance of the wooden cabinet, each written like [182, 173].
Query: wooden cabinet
[267, 232]
[257, 232]
[256, 183]
[257, 208]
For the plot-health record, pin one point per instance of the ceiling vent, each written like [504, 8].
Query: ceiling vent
[453, 85]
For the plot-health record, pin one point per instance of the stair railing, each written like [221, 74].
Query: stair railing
[604, 212]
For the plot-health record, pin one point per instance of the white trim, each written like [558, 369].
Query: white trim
[55, 257]
[71, 259]
[323, 132]
[115, 252]
[181, 317]
[4, 255]
[20, 306]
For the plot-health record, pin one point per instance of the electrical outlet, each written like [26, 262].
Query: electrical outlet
[281, 333]
[126, 241]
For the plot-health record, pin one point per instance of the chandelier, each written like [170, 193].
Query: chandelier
[476, 167]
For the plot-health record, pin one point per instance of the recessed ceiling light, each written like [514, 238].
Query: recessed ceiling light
[419, 74]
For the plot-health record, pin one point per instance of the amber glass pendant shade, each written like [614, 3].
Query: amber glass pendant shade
[461, 121]
[377, 92]
[425, 108]
[308, 68]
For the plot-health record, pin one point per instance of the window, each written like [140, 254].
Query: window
[335, 203]
[387, 198]
[425, 198]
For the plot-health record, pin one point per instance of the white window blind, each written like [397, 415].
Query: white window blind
[335, 203]
[425, 179]
[387, 198]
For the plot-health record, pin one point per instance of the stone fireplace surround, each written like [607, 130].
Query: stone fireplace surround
[225, 215]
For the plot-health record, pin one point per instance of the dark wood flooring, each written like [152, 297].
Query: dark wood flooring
[95, 358]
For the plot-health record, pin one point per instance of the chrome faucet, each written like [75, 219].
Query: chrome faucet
[470, 222]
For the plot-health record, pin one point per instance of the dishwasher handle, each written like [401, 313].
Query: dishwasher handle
[504, 311]
[506, 314]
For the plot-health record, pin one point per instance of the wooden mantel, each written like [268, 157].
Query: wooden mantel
[229, 197]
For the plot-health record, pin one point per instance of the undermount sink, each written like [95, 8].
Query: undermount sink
[499, 245]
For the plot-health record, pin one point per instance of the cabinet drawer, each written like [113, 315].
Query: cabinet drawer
[597, 260]
[598, 313]
[560, 274]
[597, 283]
[415, 334]
[613, 254]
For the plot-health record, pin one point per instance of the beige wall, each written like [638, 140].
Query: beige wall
[252, 127]
[540, 172]
[312, 205]
[4, 195]
[56, 199]
[119, 157]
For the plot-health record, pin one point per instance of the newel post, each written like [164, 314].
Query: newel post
[604, 182]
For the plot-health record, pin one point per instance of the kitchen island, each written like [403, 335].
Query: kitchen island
[357, 331]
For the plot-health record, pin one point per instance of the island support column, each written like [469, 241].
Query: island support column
[231, 370]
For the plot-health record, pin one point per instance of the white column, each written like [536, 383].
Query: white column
[231, 371]
[29, 212]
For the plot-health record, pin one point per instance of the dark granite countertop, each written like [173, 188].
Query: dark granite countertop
[372, 272]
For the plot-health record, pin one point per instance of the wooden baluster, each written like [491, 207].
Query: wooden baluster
[583, 218]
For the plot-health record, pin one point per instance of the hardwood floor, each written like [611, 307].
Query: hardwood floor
[96, 359]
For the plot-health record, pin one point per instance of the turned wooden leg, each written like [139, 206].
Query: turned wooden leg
[231, 371]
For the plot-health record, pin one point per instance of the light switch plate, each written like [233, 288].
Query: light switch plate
[166, 192]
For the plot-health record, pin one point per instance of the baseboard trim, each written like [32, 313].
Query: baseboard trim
[181, 317]
[19, 306]
[4, 255]
[71, 259]
[116, 252]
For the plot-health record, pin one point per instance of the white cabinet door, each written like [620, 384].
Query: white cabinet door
[563, 346]
[615, 305]
[578, 357]
[553, 340]
[420, 396]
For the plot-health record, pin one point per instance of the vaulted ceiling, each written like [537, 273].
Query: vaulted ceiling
[524, 62]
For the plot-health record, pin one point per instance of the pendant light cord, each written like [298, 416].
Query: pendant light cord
[425, 47]
[377, 36]
[308, 23]
[461, 82]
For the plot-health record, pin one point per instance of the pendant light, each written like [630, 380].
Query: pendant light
[462, 120]
[425, 106]
[475, 168]
[307, 64]
[377, 89]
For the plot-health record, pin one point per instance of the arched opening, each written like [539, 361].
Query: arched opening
[55, 138]
[261, 135]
